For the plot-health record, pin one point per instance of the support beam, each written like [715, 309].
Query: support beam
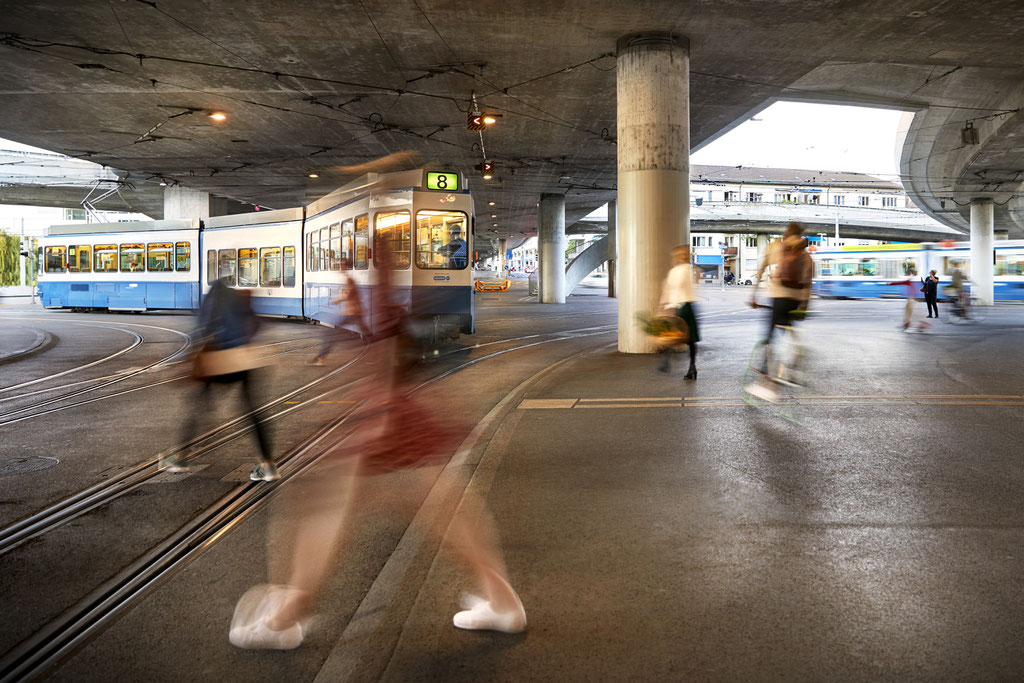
[613, 207]
[181, 202]
[982, 224]
[551, 244]
[502, 256]
[653, 141]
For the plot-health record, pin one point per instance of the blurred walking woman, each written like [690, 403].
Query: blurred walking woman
[677, 298]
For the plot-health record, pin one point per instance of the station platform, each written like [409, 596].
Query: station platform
[867, 526]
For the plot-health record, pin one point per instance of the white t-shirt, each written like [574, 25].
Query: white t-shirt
[678, 287]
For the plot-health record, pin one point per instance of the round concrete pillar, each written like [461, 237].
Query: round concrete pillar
[551, 246]
[982, 224]
[653, 143]
[502, 256]
[612, 249]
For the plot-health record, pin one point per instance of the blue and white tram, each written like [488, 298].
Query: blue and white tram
[866, 271]
[120, 266]
[257, 251]
[429, 234]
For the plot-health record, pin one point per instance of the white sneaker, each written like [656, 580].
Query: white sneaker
[480, 617]
[249, 628]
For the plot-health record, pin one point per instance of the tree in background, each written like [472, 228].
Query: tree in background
[9, 260]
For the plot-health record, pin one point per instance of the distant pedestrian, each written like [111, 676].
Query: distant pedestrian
[911, 289]
[351, 319]
[931, 294]
[677, 298]
[224, 355]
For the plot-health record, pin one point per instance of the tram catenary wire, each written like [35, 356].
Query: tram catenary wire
[62, 636]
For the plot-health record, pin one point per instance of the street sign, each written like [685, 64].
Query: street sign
[475, 121]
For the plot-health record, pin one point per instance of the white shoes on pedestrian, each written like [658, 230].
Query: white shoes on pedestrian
[480, 616]
[762, 392]
[249, 628]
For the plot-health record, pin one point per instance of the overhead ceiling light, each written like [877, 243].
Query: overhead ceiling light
[490, 203]
[314, 175]
[494, 215]
[487, 176]
[218, 116]
[162, 184]
[489, 119]
[494, 224]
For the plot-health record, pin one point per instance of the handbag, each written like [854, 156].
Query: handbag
[209, 364]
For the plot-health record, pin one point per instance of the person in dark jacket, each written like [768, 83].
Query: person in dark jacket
[224, 355]
[931, 294]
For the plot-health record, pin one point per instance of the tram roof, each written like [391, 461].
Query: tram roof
[128, 226]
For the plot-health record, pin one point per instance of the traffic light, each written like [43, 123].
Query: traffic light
[475, 121]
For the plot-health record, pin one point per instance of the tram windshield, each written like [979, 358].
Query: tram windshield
[441, 240]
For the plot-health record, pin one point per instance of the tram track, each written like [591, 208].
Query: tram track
[102, 606]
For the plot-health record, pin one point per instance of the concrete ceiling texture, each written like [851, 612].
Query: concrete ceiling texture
[317, 85]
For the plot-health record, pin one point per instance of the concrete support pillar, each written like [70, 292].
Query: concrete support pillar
[502, 256]
[653, 143]
[982, 223]
[613, 207]
[551, 247]
[181, 202]
[762, 247]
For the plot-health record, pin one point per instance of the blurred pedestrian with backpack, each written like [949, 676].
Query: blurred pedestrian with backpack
[790, 269]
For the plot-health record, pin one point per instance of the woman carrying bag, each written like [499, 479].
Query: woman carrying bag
[677, 298]
[224, 355]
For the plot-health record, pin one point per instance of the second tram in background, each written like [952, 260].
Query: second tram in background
[291, 260]
[866, 271]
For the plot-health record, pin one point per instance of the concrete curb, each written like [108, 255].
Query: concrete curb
[44, 341]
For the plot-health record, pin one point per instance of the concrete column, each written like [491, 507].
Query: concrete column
[653, 143]
[181, 202]
[613, 207]
[502, 254]
[551, 248]
[762, 247]
[982, 223]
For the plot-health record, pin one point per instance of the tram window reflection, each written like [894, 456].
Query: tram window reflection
[182, 256]
[869, 267]
[55, 259]
[909, 267]
[105, 258]
[211, 266]
[951, 263]
[270, 267]
[335, 247]
[79, 258]
[226, 266]
[158, 257]
[362, 260]
[347, 229]
[1009, 265]
[393, 227]
[247, 273]
[288, 269]
[131, 258]
[849, 268]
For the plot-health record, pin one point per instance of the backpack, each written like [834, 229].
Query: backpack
[793, 272]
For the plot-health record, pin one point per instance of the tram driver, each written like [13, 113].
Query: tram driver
[457, 250]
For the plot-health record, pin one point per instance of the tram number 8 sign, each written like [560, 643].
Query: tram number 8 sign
[448, 182]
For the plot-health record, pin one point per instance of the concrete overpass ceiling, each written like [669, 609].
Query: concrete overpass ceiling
[317, 85]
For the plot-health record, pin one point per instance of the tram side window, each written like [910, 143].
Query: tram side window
[105, 258]
[347, 228]
[226, 266]
[909, 267]
[362, 260]
[392, 228]
[55, 259]
[441, 240]
[182, 256]
[336, 246]
[1009, 265]
[79, 258]
[950, 263]
[869, 267]
[848, 269]
[211, 266]
[288, 268]
[158, 257]
[247, 273]
[826, 265]
[131, 258]
[310, 253]
[270, 267]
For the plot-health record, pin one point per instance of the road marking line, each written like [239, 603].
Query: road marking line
[287, 403]
[628, 405]
[624, 400]
[334, 401]
[546, 403]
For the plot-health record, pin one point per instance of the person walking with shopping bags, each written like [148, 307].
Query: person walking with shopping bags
[677, 298]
